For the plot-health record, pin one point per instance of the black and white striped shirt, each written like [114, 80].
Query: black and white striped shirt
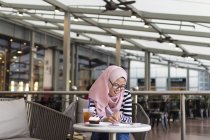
[126, 108]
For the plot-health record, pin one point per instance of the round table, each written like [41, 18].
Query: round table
[112, 129]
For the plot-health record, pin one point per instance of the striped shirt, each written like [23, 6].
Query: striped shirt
[126, 108]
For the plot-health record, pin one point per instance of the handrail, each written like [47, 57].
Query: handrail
[206, 92]
[134, 93]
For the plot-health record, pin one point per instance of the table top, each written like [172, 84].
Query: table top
[110, 128]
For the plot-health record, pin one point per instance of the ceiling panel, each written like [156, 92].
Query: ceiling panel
[170, 21]
[34, 2]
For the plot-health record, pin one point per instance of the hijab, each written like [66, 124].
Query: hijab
[99, 91]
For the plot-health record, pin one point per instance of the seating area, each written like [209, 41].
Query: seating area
[36, 121]
[166, 114]
[160, 111]
[197, 108]
[74, 110]
[25, 120]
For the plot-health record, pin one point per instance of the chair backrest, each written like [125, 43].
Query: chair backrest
[139, 116]
[45, 123]
[81, 103]
[75, 112]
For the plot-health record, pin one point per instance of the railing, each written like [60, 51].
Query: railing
[135, 95]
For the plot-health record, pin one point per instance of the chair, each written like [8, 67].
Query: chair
[174, 110]
[139, 116]
[45, 123]
[159, 111]
[75, 111]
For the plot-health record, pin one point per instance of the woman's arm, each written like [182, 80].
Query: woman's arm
[93, 109]
[126, 109]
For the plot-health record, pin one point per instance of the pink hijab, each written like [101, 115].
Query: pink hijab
[99, 91]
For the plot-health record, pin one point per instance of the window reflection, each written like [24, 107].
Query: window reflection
[15, 65]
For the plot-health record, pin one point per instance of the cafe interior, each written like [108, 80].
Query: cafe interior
[52, 51]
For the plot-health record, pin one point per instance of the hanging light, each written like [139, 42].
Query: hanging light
[57, 9]
[122, 40]
[171, 42]
[21, 86]
[146, 25]
[20, 13]
[36, 86]
[27, 87]
[133, 16]
[113, 36]
[161, 35]
[76, 19]
[12, 86]
[19, 52]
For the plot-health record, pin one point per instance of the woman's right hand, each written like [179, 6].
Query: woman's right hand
[115, 118]
[112, 119]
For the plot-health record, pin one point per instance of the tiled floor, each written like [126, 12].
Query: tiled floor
[196, 129]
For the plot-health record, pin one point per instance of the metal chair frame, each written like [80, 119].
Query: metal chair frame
[139, 116]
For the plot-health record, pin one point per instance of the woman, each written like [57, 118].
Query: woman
[110, 101]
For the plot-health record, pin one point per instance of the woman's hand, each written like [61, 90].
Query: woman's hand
[115, 118]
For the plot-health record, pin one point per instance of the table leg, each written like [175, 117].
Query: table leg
[112, 136]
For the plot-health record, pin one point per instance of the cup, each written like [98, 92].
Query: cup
[86, 115]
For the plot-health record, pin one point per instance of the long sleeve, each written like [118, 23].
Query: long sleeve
[126, 108]
[93, 108]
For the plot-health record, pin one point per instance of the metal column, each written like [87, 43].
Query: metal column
[66, 51]
[118, 55]
[72, 65]
[169, 76]
[183, 117]
[188, 80]
[128, 81]
[76, 66]
[55, 69]
[66, 57]
[147, 82]
[31, 76]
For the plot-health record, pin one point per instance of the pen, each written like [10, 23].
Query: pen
[110, 112]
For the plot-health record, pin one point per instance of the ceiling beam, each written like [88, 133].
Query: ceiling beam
[141, 37]
[145, 14]
[56, 3]
[108, 25]
[124, 27]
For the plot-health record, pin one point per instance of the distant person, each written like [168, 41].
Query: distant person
[110, 100]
